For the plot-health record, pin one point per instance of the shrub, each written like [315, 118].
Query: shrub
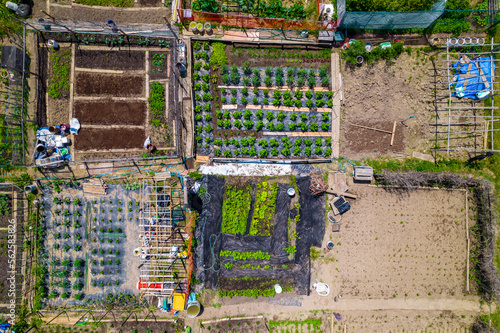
[325, 127]
[314, 127]
[328, 152]
[244, 91]
[246, 81]
[266, 92]
[233, 100]
[269, 71]
[263, 153]
[307, 151]
[265, 101]
[260, 125]
[267, 81]
[244, 101]
[246, 68]
[297, 151]
[255, 100]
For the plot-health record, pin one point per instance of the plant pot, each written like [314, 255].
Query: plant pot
[474, 40]
[199, 26]
[480, 41]
[467, 40]
[192, 26]
[207, 26]
[452, 41]
[359, 60]
[461, 42]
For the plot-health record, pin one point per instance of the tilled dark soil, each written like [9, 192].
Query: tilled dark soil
[119, 59]
[110, 112]
[100, 138]
[92, 84]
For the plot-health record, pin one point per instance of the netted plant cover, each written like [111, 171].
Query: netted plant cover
[388, 20]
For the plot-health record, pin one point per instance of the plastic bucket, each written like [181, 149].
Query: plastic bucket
[461, 42]
[467, 40]
[473, 40]
[199, 26]
[52, 43]
[278, 289]
[193, 309]
[330, 245]
[207, 26]
[359, 60]
[291, 192]
[40, 148]
[480, 41]
[452, 41]
[192, 26]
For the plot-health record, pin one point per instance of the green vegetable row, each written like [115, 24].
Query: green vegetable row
[245, 255]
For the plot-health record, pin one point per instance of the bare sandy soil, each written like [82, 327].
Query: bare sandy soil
[386, 247]
[376, 95]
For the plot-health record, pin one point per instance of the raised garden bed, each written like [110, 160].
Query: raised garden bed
[110, 40]
[93, 84]
[159, 65]
[110, 138]
[5, 209]
[110, 112]
[261, 112]
[131, 60]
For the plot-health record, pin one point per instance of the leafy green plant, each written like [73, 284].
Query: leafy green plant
[156, 102]
[265, 200]
[218, 56]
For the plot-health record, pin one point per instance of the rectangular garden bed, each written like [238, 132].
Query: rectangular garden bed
[110, 138]
[159, 65]
[117, 60]
[5, 209]
[92, 84]
[251, 109]
[110, 112]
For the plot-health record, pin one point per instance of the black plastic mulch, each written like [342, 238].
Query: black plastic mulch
[246, 243]
[208, 231]
[311, 229]
[280, 236]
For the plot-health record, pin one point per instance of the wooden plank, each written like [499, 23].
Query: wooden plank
[202, 159]
[393, 132]
[100, 168]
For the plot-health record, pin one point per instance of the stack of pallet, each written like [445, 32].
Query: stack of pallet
[95, 186]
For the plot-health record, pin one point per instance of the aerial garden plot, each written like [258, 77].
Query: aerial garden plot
[253, 236]
[248, 106]
[88, 243]
[117, 87]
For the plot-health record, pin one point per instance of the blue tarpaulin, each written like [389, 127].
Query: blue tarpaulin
[475, 82]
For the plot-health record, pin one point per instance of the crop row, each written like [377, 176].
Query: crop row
[235, 209]
[246, 255]
[286, 98]
[286, 147]
[263, 215]
[269, 76]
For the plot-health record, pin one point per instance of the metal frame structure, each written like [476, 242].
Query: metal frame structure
[464, 124]
[163, 269]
